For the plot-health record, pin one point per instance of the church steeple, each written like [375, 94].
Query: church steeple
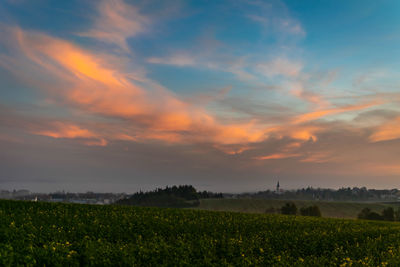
[277, 187]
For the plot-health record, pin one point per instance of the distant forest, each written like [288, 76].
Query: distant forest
[182, 196]
[342, 194]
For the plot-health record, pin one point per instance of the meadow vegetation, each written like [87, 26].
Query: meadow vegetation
[55, 234]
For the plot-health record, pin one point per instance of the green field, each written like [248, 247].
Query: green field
[49, 234]
[332, 209]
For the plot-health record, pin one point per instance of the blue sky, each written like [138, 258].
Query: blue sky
[126, 95]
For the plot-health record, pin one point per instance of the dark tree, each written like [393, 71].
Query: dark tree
[388, 214]
[364, 214]
[289, 209]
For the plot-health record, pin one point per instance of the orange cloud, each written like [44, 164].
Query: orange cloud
[240, 133]
[317, 157]
[387, 131]
[304, 133]
[322, 113]
[71, 131]
[232, 150]
[278, 156]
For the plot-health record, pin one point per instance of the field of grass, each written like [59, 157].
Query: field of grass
[330, 209]
[55, 234]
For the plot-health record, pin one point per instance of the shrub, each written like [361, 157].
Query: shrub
[364, 213]
[311, 211]
[367, 214]
[388, 214]
[289, 209]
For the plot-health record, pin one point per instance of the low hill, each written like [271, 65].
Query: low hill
[331, 209]
[55, 234]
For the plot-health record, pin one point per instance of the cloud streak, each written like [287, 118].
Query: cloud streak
[71, 131]
[116, 22]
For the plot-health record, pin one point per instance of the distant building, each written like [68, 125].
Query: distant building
[278, 189]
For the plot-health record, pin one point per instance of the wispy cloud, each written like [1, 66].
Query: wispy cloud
[314, 115]
[175, 60]
[116, 22]
[292, 27]
[279, 66]
[259, 19]
[275, 17]
[243, 69]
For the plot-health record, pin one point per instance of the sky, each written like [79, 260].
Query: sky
[231, 96]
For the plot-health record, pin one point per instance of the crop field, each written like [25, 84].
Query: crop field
[49, 234]
[332, 209]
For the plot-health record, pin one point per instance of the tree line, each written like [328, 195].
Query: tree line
[342, 194]
[182, 196]
[289, 208]
[388, 214]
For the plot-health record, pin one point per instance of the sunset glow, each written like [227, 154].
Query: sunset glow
[137, 94]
